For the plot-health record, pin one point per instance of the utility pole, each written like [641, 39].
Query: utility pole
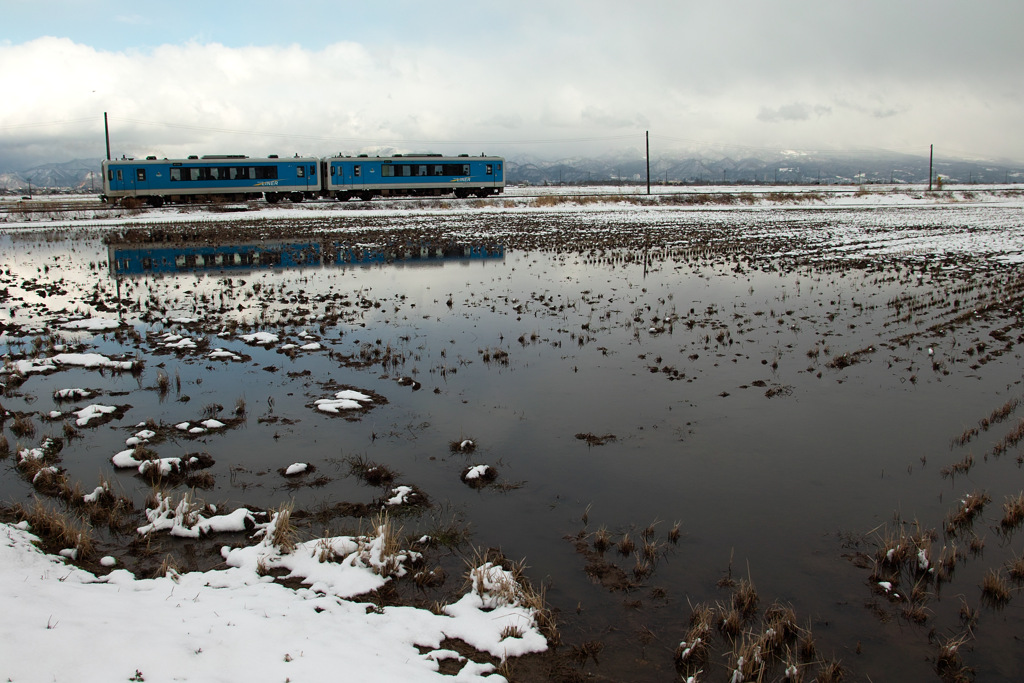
[647, 138]
[106, 133]
[931, 158]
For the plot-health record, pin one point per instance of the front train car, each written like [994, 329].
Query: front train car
[211, 178]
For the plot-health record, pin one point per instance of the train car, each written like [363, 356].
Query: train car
[413, 175]
[211, 178]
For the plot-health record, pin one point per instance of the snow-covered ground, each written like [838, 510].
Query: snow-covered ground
[236, 624]
[533, 198]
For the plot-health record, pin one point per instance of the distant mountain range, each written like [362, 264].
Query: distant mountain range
[83, 175]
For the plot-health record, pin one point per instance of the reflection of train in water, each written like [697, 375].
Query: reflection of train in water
[143, 259]
[238, 178]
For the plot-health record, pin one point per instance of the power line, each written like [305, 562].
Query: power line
[42, 124]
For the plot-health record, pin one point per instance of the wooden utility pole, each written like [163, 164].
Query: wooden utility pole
[647, 138]
[106, 133]
[931, 157]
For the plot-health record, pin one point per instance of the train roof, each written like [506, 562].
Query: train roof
[416, 156]
[212, 158]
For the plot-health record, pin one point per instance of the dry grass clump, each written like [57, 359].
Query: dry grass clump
[963, 516]
[462, 446]
[23, 426]
[1016, 568]
[1001, 413]
[514, 588]
[626, 544]
[1012, 438]
[755, 652]
[995, 589]
[163, 382]
[5, 448]
[1013, 512]
[745, 599]
[692, 651]
[949, 665]
[282, 533]
[370, 472]
[391, 544]
[602, 539]
[60, 528]
[830, 672]
[962, 467]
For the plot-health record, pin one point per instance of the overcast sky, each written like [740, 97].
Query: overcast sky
[549, 78]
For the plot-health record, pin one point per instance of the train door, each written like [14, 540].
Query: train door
[311, 183]
[116, 177]
[139, 180]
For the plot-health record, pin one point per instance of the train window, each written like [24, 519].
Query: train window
[312, 170]
[140, 174]
[465, 169]
[421, 170]
[439, 170]
[175, 174]
[110, 174]
[266, 172]
[358, 169]
[300, 171]
[387, 170]
[119, 176]
[333, 171]
[193, 173]
[490, 169]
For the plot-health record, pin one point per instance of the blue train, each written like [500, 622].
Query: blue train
[239, 178]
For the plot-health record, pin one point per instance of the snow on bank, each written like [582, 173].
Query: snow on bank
[52, 363]
[93, 324]
[66, 624]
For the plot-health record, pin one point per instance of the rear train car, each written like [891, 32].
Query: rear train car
[211, 178]
[413, 175]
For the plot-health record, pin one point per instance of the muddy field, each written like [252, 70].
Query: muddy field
[779, 441]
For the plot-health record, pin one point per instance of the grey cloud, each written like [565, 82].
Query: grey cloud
[796, 111]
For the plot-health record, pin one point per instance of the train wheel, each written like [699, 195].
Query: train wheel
[155, 202]
[272, 197]
[295, 197]
[461, 194]
[366, 196]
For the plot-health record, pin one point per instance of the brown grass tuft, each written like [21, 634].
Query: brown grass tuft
[745, 599]
[1015, 567]
[693, 650]
[1013, 512]
[283, 535]
[626, 544]
[962, 517]
[61, 528]
[995, 589]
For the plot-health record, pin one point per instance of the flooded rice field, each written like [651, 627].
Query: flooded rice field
[783, 443]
